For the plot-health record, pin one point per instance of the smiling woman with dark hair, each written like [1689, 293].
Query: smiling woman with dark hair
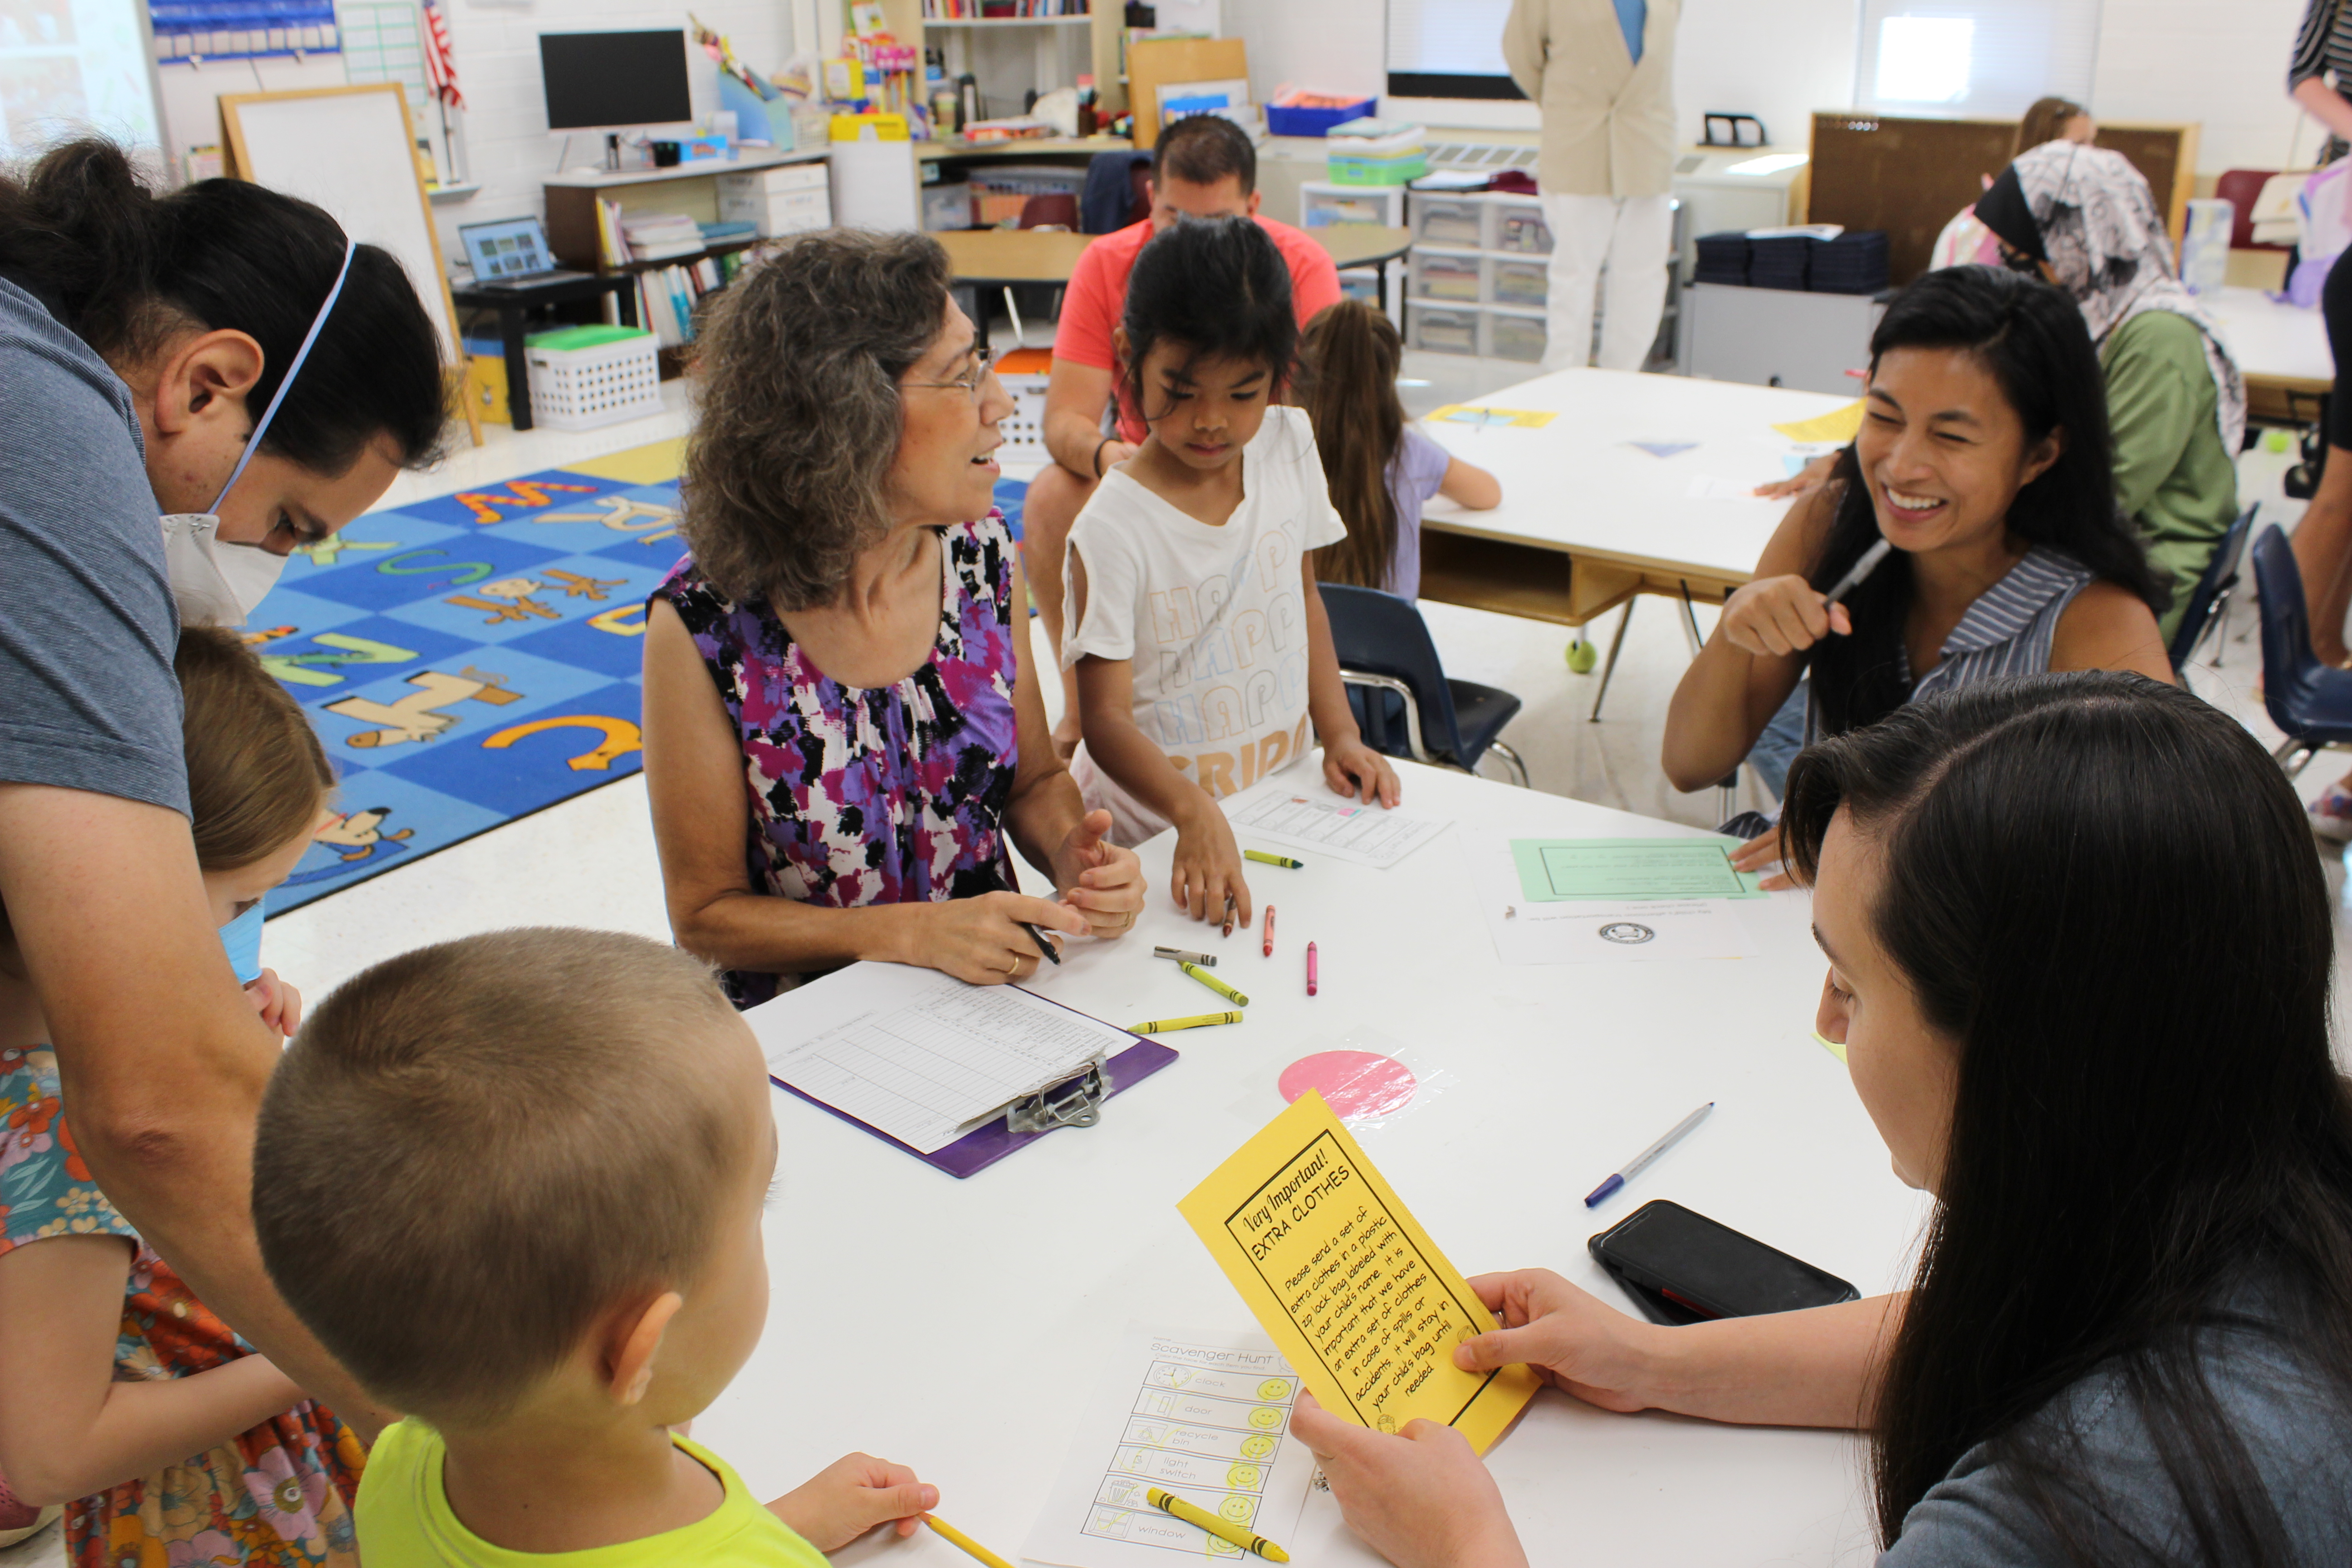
[2129, 1336]
[1984, 462]
[843, 741]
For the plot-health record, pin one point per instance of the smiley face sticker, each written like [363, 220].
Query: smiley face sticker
[1273, 1388]
[1243, 1476]
[1237, 1509]
[1265, 1418]
[1257, 1446]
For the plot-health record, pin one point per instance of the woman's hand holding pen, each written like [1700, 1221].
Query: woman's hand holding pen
[983, 940]
[1206, 874]
[1101, 880]
[1781, 616]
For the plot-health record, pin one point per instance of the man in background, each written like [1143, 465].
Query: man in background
[1203, 166]
[1602, 72]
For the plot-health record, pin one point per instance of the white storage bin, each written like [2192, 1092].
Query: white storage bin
[1023, 429]
[783, 179]
[1515, 337]
[1444, 220]
[1519, 227]
[1321, 203]
[1438, 275]
[1526, 283]
[601, 383]
[1442, 330]
[794, 211]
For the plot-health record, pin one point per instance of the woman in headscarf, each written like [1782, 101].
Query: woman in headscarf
[2084, 218]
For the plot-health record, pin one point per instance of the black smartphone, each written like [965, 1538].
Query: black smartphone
[1683, 1267]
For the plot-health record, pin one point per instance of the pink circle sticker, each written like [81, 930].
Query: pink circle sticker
[1353, 1083]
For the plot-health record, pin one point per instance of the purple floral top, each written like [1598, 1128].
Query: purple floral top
[879, 794]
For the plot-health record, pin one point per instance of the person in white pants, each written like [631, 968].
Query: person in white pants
[1602, 71]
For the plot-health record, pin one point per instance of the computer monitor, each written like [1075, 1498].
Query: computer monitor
[510, 247]
[601, 80]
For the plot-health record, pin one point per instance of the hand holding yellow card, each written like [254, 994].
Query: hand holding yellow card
[1346, 1283]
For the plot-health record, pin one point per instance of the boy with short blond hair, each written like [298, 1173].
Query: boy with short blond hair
[567, 1147]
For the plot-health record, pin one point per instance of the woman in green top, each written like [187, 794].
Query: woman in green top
[2084, 218]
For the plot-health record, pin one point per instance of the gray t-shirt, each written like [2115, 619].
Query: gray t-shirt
[2297, 1431]
[87, 700]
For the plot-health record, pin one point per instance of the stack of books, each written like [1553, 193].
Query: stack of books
[1376, 153]
[658, 236]
[1779, 261]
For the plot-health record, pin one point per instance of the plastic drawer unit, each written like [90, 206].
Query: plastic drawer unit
[1442, 331]
[1439, 276]
[1519, 227]
[1524, 283]
[1439, 221]
[1515, 337]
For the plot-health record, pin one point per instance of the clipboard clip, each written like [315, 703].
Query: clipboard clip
[1076, 1102]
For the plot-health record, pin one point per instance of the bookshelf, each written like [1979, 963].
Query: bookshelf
[1100, 28]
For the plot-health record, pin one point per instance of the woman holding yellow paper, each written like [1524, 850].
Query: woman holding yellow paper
[2130, 1337]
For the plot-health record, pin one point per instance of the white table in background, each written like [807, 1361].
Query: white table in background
[2279, 348]
[1589, 520]
[959, 1326]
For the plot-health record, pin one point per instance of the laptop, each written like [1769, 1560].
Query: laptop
[510, 253]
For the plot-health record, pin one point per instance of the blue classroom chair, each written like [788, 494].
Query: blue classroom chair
[2213, 589]
[1404, 702]
[2309, 700]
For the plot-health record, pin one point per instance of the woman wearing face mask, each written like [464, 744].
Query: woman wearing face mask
[223, 352]
[1983, 462]
[2129, 1336]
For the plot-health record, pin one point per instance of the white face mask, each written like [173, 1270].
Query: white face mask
[216, 582]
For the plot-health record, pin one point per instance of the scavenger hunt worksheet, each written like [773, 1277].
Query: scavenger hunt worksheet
[1205, 1416]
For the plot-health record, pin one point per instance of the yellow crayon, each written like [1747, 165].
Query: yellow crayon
[1198, 1021]
[1214, 984]
[958, 1538]
[1263, 859]
[1245, 1539]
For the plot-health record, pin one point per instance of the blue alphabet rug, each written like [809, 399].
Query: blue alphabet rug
[473, 658]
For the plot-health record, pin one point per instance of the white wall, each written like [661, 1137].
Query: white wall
[2221, 64]
[2218, 62]
[497, 49]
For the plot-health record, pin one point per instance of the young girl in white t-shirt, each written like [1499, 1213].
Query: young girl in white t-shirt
[1198, 633]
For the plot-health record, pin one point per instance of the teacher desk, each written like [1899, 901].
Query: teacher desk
[959, 1327]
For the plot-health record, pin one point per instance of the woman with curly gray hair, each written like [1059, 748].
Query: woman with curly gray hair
[842, 740]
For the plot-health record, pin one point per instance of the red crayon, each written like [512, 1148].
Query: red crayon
[1268, 950]
[1310, 969]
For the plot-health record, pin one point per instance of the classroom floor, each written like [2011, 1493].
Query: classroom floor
[590, 860]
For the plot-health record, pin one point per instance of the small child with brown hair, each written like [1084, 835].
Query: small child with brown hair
[117, 1387]
[558, 1260]
[1380, 467]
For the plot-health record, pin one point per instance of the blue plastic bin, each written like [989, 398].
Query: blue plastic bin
[1281, 121]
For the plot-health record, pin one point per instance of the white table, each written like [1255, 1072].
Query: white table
[1587, 520]
[2279, 348]
[959, 1326]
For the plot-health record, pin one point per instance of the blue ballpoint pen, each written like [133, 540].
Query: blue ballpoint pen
[1634, 1167]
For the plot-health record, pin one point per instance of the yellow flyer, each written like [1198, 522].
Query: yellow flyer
[1467, 414]
[1346, 1283]
[1840, 425]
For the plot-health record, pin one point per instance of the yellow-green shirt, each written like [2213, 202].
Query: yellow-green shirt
[404, 1521]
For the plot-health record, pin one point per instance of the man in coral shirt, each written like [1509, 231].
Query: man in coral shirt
[1202, 167]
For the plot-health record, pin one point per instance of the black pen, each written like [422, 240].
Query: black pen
[1036, 935]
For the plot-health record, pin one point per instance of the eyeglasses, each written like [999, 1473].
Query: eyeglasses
[983, 362]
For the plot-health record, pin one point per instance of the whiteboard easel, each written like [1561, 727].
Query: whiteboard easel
[350, 150]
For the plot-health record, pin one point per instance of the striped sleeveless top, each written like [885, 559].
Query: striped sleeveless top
[2008, 630]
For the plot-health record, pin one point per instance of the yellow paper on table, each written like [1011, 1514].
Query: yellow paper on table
[1346, 1283]
[1479, 414]
[1839, 425]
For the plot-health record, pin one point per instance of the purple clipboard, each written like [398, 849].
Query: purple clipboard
[985, 1145]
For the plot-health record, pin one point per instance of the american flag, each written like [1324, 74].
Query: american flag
[438, 61]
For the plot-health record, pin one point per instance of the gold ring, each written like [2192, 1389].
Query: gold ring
[1014, 965]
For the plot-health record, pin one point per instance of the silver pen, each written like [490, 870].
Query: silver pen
[1862, 568]
[1634, 1167]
